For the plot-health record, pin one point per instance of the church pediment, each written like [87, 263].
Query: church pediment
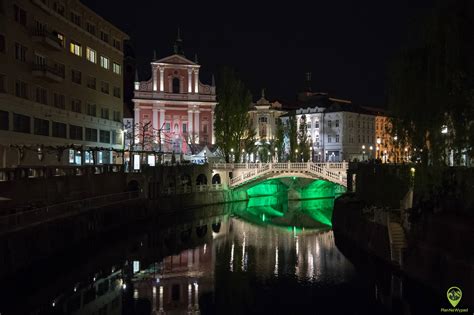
[176, 60]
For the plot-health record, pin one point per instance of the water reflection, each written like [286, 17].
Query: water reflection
[270, 256]
[278, 210]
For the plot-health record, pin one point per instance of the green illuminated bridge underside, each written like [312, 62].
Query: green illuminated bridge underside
[294, 202]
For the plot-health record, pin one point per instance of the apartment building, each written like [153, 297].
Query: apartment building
[61, 84]
[338, 130]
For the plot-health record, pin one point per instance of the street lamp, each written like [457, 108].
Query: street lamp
[363, 152]
[232, 154]
[326, 156]
[311, 152]
[296, 155]
[243, 155]
[371, 148]
[276, 154]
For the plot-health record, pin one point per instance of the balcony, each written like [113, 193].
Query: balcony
[47, 38]
[53, 73]
[174, 96]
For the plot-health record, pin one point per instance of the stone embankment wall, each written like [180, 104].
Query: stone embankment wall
[349, 223]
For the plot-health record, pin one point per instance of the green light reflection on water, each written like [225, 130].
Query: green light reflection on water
[311, 208]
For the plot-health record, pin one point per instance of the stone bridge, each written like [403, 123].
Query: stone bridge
[248, 173]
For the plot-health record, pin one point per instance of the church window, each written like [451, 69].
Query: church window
[176, 85]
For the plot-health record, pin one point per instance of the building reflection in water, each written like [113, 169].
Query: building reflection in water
[257, 246]
[267, 254]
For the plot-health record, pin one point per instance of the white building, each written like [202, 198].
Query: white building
[338, 130]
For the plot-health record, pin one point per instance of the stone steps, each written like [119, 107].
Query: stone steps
[397, 241]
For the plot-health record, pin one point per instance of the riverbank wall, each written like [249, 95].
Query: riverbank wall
[438, 227]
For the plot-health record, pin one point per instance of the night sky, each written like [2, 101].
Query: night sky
[346, 45]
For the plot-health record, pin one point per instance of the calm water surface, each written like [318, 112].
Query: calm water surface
[268, 256]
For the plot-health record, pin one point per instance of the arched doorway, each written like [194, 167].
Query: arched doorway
[201, 180]
[216, 179]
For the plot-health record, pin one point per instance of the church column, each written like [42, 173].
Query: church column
[190, 80]
[197, 125]
[155, 78]
[190, 126]
[162, 79]
[136, 122]
[196, 81]
[213, 139]
[155, 123]
[162, 121]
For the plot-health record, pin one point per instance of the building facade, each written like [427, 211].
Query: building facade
[173, 110]
[61, 84]
[389, 148]
[337, 130]
[263, 116]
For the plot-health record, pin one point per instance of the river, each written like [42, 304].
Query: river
[267, 256]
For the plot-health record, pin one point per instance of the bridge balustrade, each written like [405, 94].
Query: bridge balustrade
[329, 171]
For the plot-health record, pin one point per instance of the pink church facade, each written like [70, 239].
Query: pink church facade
[176, 105]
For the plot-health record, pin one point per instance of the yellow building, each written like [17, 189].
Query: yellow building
[61, 84]
[388, 146]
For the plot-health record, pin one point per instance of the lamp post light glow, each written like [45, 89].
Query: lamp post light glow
[379, 141]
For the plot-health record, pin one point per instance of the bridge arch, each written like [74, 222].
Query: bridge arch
[216, 227]
[216, 179]
[185, 180]
[201, 179]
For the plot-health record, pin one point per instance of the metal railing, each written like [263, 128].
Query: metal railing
[29, 172]
[27, 218]
[56, 70]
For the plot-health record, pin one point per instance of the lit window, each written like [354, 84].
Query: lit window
[104, 62]
[116, 68]
[61, 39]
[91, 55]
[75, 48]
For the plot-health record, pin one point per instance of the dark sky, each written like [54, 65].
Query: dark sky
[345, 44]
